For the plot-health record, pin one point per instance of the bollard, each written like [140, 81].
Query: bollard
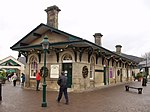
[0, 92]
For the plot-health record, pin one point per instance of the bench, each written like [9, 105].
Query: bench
[138, 88]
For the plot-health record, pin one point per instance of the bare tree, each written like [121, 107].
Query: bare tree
[146, 56]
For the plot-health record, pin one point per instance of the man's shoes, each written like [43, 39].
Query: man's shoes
[66, 103]
[37, 90]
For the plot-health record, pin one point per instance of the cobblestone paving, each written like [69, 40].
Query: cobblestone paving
[109, 99]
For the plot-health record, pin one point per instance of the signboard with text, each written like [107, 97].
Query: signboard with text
[54, 71]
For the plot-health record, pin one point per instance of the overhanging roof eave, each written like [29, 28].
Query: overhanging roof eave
[93, 44]
[51, 44]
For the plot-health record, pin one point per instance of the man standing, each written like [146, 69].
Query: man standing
[14, 79]
[37, 81]
[62, 82]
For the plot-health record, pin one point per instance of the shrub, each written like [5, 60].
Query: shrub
[3, 75]
[139, 75]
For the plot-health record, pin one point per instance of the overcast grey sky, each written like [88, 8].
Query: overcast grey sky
[122, 22]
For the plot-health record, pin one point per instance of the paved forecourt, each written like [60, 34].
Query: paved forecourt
[108, 99]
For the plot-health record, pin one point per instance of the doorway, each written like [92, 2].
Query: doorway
[67, 68]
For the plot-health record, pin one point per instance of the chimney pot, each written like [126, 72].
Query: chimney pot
[118, 49]
[98, 38]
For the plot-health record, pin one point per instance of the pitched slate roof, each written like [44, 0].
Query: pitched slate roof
[144, 63]
[36, 33]
[131, 57]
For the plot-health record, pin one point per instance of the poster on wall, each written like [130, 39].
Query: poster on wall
[110, 73]
[54, 71]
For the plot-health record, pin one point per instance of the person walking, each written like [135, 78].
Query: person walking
[62, 82]
[14, 79]
[22, 79]
[38, 77]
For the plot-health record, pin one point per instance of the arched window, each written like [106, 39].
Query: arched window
[33, 66]
[92, 68]
[67, 58]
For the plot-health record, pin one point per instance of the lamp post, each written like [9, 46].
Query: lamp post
[45, 46]
[104, 74]
[146, 69]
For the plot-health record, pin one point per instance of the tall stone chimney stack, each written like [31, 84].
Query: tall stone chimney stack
[52, 16]
[98, 38]
[118, 49]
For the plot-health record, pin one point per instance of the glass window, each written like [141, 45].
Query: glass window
[67, 58]
[33, 66]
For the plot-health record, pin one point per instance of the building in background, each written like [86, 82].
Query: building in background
[11, 65]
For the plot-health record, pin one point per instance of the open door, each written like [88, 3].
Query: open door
[67, 68]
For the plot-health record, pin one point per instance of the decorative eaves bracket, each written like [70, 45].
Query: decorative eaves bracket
[90, 52]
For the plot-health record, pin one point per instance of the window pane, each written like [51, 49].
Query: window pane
[33, 66]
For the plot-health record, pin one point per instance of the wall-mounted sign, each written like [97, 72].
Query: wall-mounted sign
[54, 71]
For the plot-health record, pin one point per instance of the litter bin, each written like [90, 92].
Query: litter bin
[144, 81]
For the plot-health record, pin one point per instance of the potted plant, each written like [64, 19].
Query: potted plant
[3, 76]
[139, 76]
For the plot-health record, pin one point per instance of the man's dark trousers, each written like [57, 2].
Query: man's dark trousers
[61, 91]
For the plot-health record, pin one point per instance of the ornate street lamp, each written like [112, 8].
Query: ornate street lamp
[45, 46]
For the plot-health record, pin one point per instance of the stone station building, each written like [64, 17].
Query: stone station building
[87, 65]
